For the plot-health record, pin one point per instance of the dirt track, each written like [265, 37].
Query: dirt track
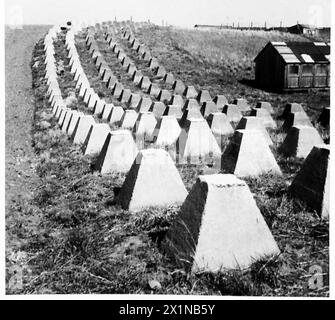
[20, 176]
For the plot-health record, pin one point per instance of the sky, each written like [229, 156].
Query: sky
[184, 13]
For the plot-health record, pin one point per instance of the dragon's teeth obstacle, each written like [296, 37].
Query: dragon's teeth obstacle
[265, 105]
[242, 104]
[219, 227]
[219, 124]
[116, 114]
[118, 152]
[265, 117]
[299, 141]
[145, 125]
[152, 181]
[296, 119]
[167, 131]
[254, 123]
[196, 143]
[312, 183]
[128, 119]
[233, 113]
[248, 154]
[95, 138]
[82, 128]
[207, 108]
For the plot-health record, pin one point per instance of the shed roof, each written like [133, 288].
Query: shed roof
[301, 52]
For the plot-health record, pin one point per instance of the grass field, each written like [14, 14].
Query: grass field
[87, 244]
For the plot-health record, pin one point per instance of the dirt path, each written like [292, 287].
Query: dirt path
[21, 179]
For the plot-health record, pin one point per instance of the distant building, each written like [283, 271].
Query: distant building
[304, 29]
[282, 66]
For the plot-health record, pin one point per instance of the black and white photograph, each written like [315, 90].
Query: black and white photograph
[167, 149]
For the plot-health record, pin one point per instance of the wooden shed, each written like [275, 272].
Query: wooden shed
[285, 66]
[304, 29]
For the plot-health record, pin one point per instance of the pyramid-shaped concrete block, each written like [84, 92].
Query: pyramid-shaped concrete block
[324, 117]
[265, 117]
[95, 138]
[219, 227]
[73, 122]
[164, 96]
[134, 100]
[157, 108]
[112, 80]
[312, 183]
[196, 143]
[153, 181]
[265, 105]
[292, 108]
[207, 108]
[178, 87]
[115, 115]
[106, 111]
[146, 56]
[248, 154]
[99, 107]
[62, 115]
[220, 101]
[296, 119]
[219, 124]
[191, 104]
[153, 64]
[67, 119]
[169, 78]
[131, 69]
[117, 89]
[203, 96]
[106, 75]
[177, 100]
[188, 114]
[299, 141]
[137, 77]
[160, 72]
[118, 152]
[254, 123]
[128, 119]
[145, 125]
[173, 110]
[242, 104]
[167, 131]
[125, 95]
[144, 104]
[154, 90]
[92, 101]
[144, 83]
[190, 92]
[82, 128]
[233, 113]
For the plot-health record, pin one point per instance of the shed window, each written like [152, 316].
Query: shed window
[293, 69]
[321, 69]
[307, 69]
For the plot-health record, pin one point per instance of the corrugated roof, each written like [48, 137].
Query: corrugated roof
[304, 52]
